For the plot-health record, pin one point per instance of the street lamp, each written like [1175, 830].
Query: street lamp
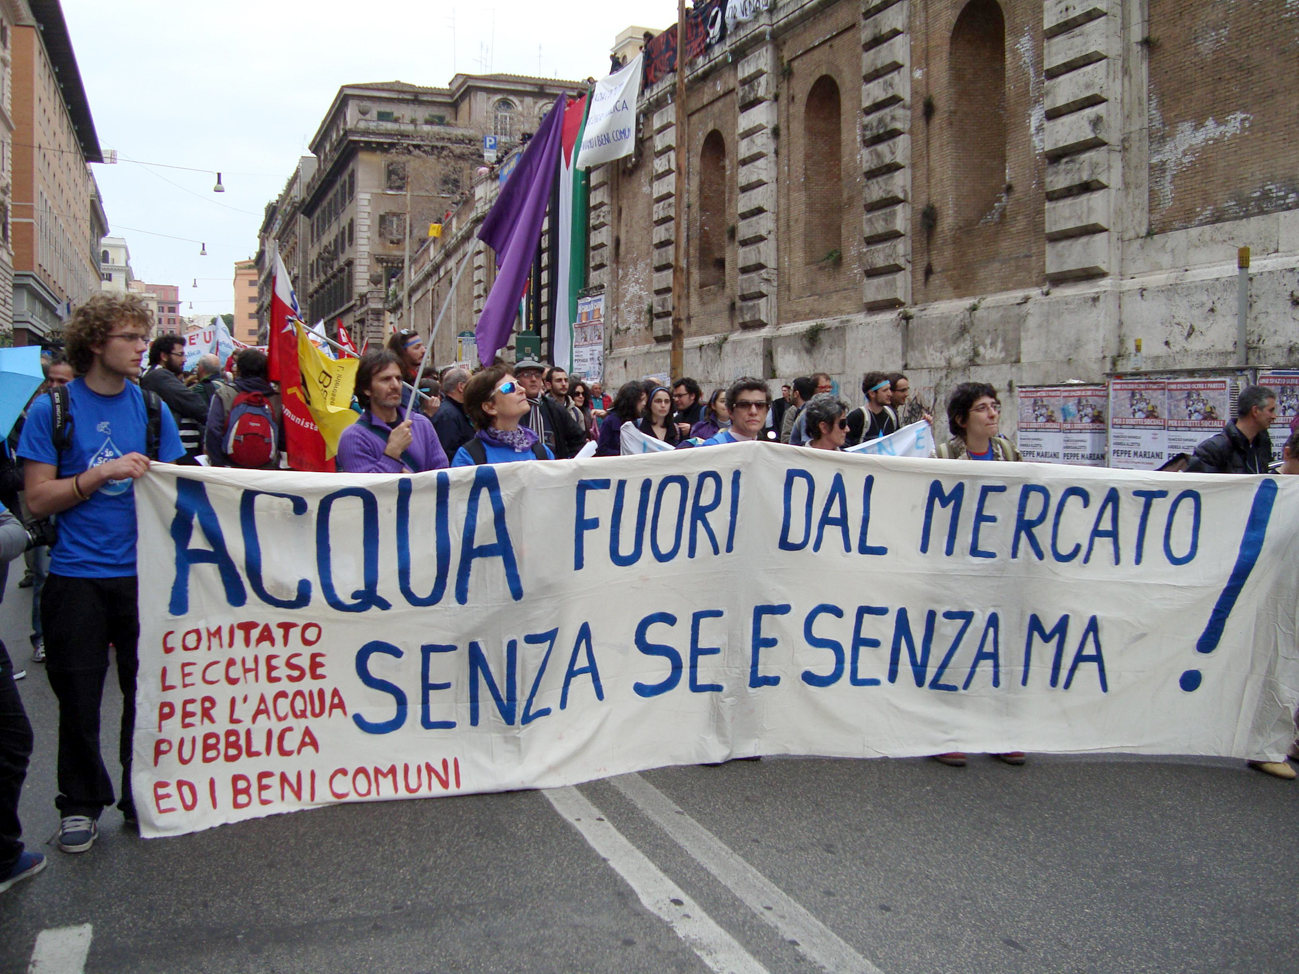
[202, 252]
[218, 188]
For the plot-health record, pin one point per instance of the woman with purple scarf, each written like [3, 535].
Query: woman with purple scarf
[495, 403]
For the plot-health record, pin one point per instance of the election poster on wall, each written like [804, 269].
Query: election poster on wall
[1083, 430]
[1197, 408]
[1138, 423]
[1285, 383]
[588, 338]
[311, 639]
[1039, 433]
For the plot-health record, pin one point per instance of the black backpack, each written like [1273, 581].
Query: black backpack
[61, 424]
[478, 452]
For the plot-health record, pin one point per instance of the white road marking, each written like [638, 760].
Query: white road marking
[62, 950]
[817, 942]
[715, 947]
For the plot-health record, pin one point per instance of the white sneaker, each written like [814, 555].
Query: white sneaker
[38, 651]
[20, 674]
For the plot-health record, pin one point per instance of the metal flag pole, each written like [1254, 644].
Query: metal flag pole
[428, 348]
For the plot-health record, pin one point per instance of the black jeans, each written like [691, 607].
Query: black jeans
[81, 617]
[15, 749]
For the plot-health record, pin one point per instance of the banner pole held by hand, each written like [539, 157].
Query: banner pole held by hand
[428, 347]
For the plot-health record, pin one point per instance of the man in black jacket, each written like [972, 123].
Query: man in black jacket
[1243, 446]
[189, 406]
[547, 418]
[450, 423]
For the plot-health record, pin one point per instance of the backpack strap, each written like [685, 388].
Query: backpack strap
[60, 424]
[153, 423]
[539, 450]
[383, 433]
[476, 450]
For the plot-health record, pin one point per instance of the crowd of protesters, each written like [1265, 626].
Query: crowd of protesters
[99, 421]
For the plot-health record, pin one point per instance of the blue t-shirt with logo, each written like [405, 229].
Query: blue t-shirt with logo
[97, 537]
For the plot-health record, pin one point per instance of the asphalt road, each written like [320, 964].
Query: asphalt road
[783, 865]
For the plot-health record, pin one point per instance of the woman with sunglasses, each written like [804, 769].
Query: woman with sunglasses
[974, 416]
[716, 417]
[627, 406]
[495, 404]
[827, 422]
[580, 393]
[656, 418]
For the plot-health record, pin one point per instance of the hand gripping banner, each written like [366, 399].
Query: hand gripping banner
[308, 639]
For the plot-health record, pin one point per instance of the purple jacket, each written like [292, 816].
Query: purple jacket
[361, 451]
[610, 442]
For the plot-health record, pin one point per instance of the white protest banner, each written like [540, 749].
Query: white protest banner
[198, 342]
[212, 340]
[309, 639]
[610, 131]
[1039, 434]
[916, 440]
[1138, 423]
[634, 442]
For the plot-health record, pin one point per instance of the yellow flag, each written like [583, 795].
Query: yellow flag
[327, 386]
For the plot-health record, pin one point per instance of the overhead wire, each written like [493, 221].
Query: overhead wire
[143, 162]
[191, 192]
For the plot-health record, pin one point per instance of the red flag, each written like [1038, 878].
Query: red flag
[302, 439]
[345, 340]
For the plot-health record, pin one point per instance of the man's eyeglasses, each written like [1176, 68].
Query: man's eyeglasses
[750, 404]
[507, 387]
[134, 336]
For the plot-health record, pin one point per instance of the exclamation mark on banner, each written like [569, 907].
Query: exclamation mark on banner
[1260, 512]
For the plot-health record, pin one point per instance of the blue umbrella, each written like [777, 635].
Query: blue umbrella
[20, 376]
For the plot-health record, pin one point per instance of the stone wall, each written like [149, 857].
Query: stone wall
[1047, 272]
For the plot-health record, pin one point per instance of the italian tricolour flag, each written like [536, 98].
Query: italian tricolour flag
[574, 198]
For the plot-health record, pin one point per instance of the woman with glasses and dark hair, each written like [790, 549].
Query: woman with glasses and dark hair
[496, 403]
[627, 407]
[580, 393]
[973, 416]
[827, 422]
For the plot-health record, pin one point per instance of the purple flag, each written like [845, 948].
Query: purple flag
[513, 229]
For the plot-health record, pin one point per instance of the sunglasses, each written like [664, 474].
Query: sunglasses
[843, 424]
[507, 387]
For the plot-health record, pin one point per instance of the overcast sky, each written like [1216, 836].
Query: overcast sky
[241, 87]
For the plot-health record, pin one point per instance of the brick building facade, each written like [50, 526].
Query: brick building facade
[1007, 190]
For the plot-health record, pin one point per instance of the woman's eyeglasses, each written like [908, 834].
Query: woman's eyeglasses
[843, 424]
[507, 387]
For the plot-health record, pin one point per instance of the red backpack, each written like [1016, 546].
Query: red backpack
[250, 437]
